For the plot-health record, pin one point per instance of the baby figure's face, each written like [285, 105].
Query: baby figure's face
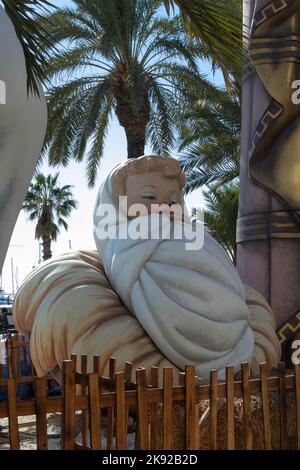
[152, 187]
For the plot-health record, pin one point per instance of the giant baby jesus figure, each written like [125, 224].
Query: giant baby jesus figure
[150, 296]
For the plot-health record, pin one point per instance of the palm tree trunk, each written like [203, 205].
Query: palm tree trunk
[135, 141]
[134, 122]
[47, 253]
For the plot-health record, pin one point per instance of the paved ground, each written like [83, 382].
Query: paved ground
[27, 433]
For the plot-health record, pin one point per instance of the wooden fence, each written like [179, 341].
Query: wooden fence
[104, 404]
[18, 361]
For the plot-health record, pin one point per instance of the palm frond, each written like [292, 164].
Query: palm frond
[96, 152]
[216, 23]
[221, 215]
[34, 39]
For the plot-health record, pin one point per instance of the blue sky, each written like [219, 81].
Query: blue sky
[23, 252]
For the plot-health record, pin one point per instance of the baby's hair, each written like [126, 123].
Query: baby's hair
[168, 166]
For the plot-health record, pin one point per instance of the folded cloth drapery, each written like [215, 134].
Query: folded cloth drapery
[68, 306]
[191, 303]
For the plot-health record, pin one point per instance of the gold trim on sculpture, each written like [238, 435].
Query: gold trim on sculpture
[286, 331]
[266, 226]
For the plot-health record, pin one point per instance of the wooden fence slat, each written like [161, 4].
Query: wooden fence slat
[97, 365]
[83, 363]
[17, 356]
[282, 406]
[9, 357]
[85, 415]
[95, 412]
[265, 405]
[190, 408]
[25, 360]
[142, 409]
[12, 414]
[167, 407]
[68, 428]
[247, 406]
[11, 346]
[297, 400]
[73, 362]
[154, 376]
[213, 410]
[230, 407]
[197, 417]
[121, 429]
[41, 413]
[112, 366]
[128, 379]
[128, 372]
[154, 410]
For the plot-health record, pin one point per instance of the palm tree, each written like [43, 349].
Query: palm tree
[34, 38]
[48, 204]
[120, 57]
[217, 25]
[210, 138]
[221, 214]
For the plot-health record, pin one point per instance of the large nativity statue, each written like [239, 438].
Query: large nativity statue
[147, 295]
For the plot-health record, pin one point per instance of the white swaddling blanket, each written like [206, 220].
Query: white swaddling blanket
[191, 303]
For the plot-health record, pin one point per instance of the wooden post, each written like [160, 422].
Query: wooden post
[73, 362]
[282, 406]
[154, 409]
[85, 415]
[97, 365]
[121, 430]
[247, 406]
[12, 414]
[68, 427]
[128, 379]
[230, 407]
[17, 355]
[142, 409]
[9, 358]
[111, 411]
[190, 407]
[25, 358]
[95, 412]
[265, 405]
[167, 407]
[41, 413]
[213, 410]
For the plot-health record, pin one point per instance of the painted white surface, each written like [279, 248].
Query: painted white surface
[23, 121]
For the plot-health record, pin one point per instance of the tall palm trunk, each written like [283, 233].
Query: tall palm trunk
[135, 136]
[134, 122]
[47, 253]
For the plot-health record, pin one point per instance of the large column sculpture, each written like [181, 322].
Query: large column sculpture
[23, 120]
[268, 232]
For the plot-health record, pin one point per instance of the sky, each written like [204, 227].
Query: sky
[24, 251]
